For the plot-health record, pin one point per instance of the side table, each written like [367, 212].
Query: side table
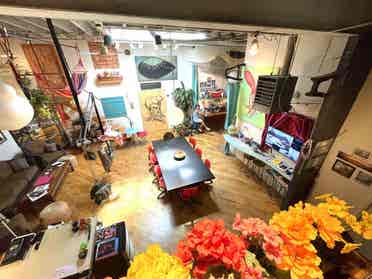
[58, 175]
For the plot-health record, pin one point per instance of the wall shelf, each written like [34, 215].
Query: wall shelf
[103, 81]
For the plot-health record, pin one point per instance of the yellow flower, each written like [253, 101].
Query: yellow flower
[350, 247]
[366, 225]
[155, 263]
[329, 227]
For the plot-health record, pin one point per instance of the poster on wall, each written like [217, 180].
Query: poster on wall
[154, 110]
[156, 68]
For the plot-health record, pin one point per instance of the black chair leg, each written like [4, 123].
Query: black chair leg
[161, 195]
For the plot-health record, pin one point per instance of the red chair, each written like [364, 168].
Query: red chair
[157, 171]
[189, 193]
[162, 188]
[199, 152]
[193, 142]
[208, 163]
[142, 134]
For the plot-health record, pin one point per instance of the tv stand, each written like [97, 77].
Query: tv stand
[264, 157]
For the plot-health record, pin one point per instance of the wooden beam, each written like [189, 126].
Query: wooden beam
[17, 24]
[84, 27]
[33, 23]
[62, 25]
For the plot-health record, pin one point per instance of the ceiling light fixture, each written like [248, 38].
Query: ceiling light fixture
[253, 50]
[15, 111]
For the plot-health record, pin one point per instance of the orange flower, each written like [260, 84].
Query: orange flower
[302, 261]
[294, 224]
[366, 225]
[329, 227]
[350, 247]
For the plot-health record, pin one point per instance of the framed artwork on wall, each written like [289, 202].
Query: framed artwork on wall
[150, 68]
[343, 169]
[364, 178]
[2, 137]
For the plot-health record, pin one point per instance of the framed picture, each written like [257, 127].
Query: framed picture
[343, 169]
[2, 137]
[362, 153]
[364, 178]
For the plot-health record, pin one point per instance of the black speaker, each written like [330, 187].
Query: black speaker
[157, 39]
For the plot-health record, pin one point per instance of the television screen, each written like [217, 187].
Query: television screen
[295, 150]
[285, 144]
[279, 140]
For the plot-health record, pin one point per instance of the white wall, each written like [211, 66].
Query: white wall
[9, 149]
[130, 87]
[355, 133]
[315, 54]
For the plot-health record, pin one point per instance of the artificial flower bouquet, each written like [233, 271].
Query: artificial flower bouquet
[254, 249]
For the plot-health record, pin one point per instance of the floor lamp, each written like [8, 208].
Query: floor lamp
[15, 113]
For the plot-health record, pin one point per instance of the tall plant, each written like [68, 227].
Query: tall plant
[183, 100]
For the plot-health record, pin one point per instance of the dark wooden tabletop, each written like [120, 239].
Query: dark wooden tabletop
[184, 173]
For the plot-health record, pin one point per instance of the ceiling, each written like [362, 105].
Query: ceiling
[322, 15]
[35, 28]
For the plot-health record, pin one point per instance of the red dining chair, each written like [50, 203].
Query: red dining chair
[193, 142]
[157, 171]
[208, 163]
[142, 134]
[153, 161]
[199, 152]
[189, 193]
[161, 188]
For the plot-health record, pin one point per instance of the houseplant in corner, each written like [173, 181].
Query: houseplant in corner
[183, 99]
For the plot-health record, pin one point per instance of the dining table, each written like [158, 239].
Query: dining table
[180, 173]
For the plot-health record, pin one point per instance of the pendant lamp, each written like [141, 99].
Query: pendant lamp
[15, 111]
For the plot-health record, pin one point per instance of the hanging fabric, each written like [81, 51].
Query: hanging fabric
[232, 92]
[291, 123]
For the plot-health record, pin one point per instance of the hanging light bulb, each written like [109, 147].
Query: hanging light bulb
[165, 46]
[140, 45]
[176, 47]
[132, 46]
[253, 50]
[15, 111]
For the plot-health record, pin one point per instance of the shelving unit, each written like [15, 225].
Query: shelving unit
[103, 81]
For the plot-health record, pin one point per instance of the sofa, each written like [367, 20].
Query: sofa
[15, 178]
[42, 153]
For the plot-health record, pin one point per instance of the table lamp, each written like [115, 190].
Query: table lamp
[15, 111]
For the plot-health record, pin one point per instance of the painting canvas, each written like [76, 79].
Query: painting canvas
[343, 169]
[156, 68]
[364, 178]
[154, 110]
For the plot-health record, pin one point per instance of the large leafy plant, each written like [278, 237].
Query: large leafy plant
[183, 100]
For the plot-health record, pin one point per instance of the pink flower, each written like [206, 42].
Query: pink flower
[266, 237]
[272, 252]
[251, 273]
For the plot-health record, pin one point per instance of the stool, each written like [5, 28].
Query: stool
[55, 213]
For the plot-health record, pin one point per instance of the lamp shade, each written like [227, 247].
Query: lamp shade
[15, 111]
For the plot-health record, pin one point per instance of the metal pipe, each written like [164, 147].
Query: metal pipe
[65, 69]
[288, 59]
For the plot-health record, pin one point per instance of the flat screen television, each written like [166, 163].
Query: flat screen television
[284, 143]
